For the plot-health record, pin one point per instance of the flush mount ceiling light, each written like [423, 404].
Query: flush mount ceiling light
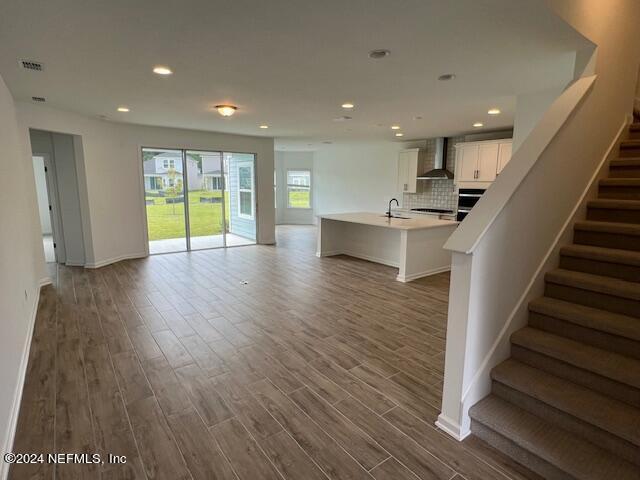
[162, 70]
[399, 134]
[446, 77]
[226, 110]
[264, 126]
[348, 105]
[478, 124]
[494, 111]
[123, 109]
[395, 127]
[379, 53]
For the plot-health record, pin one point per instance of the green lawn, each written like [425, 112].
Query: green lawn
[167, 220]
[299, 199]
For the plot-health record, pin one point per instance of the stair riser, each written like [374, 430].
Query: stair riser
[624, 172]
[568, 422]
[596, 338]
[519, 454]
[634, 134]
[630, 152]
[597, 267]
[593, 381]
[608, 240]
[613, 215]
[620, 193]
[593, 299]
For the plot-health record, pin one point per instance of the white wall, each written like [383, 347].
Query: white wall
[43, 197]
[355, 177]
[530, 108]
[22, 266]
[292, 161]
[111, 163]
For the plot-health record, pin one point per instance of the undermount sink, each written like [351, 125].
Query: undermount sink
[396, 216]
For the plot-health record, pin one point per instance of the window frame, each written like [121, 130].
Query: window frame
[241, 190]
[291, 185]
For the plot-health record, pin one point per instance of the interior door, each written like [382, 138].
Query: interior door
[468, 163]
[487, 162]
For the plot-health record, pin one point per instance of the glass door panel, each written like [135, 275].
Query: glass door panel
[240, 198]
[205, 183]
[164, 199]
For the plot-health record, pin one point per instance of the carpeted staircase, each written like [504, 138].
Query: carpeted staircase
[567, 402]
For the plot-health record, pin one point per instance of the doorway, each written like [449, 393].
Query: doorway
[47, 207]
[198, 199]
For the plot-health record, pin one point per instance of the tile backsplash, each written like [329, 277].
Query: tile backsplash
[435, 193]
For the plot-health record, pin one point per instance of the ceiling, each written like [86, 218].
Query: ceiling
[288, 63]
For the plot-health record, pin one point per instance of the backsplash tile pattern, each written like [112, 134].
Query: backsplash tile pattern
[435, 193]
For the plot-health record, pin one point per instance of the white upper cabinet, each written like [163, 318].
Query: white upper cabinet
[481, 162]
[409, 161]
[504, 155]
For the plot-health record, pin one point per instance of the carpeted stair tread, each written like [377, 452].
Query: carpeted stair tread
[608, 364]
[615, 417]
[569, 453]
[630, 144]
[613, 323]
[608, 227]
[602, 254]
[620, 182]
[596, 283]
[614, 204]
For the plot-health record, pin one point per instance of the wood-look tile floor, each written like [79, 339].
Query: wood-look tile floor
[250, 363]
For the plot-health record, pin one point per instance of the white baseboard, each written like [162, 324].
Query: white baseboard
[451, 427]
[109, 261]
[427, 273]
[22, 372]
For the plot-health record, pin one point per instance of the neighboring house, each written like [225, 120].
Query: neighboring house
[165, 169]
[211, 172]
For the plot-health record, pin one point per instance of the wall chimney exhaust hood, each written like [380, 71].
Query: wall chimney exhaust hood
[439, 172]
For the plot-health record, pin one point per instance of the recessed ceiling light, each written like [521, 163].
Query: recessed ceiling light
[494, 111]
[478, 124]
[327, 142]
[395, 127]
[446, 77]
[226, 110]
[123, 109]
[264, 126]
[399, 134]
[348, 105]
[162, 70]
[379, 53]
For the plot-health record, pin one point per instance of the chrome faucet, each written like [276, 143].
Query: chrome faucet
[397, 203]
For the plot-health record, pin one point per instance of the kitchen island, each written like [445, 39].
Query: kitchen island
[413, 245]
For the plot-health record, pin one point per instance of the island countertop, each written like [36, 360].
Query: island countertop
[417, 222]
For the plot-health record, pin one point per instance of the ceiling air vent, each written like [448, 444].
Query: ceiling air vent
[31, 65]
[38, 99]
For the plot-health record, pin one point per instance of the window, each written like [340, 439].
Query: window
[299, 189]
[169, 163]
[245, 191]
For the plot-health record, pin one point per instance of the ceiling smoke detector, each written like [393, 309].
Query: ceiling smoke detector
[447, 77]
[343, 118]
[38, 99]
[379, 53]
[31, 65]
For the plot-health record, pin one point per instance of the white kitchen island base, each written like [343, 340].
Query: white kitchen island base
[414, 245]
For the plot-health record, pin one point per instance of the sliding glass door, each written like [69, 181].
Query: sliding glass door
[164, 199]
[198, 199]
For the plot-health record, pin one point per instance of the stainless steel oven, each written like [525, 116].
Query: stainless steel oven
[467, 199]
